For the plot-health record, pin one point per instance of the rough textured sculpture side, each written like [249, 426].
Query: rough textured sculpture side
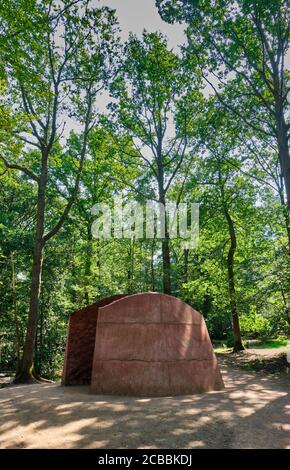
[148, 344]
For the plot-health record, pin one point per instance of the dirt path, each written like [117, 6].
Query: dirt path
[252, 412]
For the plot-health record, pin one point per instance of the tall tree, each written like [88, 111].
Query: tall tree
[243, 46]
[155, 108]
[64, 67]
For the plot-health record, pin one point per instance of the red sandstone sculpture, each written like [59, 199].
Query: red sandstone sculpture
[146, 344]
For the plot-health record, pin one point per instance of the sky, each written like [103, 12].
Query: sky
[134, 16]
[137, 15]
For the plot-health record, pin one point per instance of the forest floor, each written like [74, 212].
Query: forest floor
[252, 412]
[256, 359]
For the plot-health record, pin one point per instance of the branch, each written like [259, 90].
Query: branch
[180, 159]
[27, 141]
[63, 10]
[177, 167]
[235, 111]
[15, 166]
[29, 112]
[72, 199]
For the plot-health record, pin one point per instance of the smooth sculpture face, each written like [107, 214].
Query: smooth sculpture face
[147, 344]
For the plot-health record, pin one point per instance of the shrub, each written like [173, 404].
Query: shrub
[219, 325]
[255, 326]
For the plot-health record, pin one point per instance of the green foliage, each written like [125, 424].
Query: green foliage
[272, 343]
[255, 326]
[219, 325]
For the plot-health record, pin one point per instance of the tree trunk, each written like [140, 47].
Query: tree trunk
[130, 270]
[41, 325]
[184, 277]
[286, 305]
[15, 312]
[152, 266]
[283, 149]
[88, 264]
[238, 345]
[166, 265]
[74, 274]
[165, 248]
[185, 266]
[26, 372]
[286, 213]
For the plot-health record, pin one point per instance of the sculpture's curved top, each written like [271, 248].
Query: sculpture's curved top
[149, 307]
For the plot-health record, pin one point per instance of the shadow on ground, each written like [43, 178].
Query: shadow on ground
[252, 412]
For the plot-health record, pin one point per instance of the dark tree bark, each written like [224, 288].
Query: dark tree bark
[40, 343]
[286, 212]
[88, 263]
[165, 246]
[130, 270]
[185, 276]
[152, 266]
[15, 313]
[185, 265]
[284, 158]
[166, 266]
[286, 173]
[238, 345]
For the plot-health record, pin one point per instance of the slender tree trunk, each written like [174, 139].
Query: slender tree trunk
[26, 372]
[286, 212]
[88, 265]
[73, 272]
[283, 149]
[166, 265]
[238, 345]
[286, 306]
[184, 276]
[15, 312]
[41, 325]
[165, 247]
[287, 223]
[152, 266]
[99, 265]
[130, 271]
[286, 289]
[185, 266]
[26, 369]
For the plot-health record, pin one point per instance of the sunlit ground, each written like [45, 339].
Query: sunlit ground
[252, 412]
